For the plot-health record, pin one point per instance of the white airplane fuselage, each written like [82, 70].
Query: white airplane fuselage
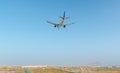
[60, 24]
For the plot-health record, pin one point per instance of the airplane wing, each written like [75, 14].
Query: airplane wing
[51, 23]
[69, 24]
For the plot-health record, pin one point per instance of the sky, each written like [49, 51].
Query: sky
[27, 39]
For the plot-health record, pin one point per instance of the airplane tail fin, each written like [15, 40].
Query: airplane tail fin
[64, 17]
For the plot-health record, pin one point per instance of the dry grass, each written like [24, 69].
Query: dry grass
[16, 69]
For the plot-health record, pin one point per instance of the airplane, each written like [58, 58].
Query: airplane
[62, 22]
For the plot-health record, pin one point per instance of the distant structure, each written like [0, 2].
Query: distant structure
[34, 66]
[95, 64]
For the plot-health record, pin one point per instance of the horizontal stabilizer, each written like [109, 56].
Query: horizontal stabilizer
[64, 18]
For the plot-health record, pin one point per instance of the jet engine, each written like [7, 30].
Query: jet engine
[64, 26]
[55, 26]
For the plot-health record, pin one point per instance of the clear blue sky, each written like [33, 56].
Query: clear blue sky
[27, 39]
